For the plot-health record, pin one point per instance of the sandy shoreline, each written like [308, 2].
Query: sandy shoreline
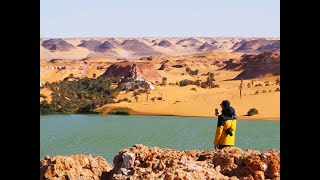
[106, 110]
[254, 118]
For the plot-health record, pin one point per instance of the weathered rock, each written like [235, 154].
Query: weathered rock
[142, 162]
[143, 70]
[254, 66]
[73, 167]
[228, 163]
[165, 66]
[128, 160]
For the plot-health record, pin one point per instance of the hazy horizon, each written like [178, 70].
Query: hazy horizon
[143, 18]
[162, 37]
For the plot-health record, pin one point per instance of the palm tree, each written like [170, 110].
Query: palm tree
[147, 89]
[240, 87]
[210, 80]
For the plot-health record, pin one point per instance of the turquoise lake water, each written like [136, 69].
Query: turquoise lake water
[106, 135]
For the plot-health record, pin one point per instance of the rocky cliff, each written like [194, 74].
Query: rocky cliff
[143, 70]
[142, 162]
[254, 66]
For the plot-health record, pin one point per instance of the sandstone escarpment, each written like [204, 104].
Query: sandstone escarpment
[254, 66]
[260, 65]
[143, 70]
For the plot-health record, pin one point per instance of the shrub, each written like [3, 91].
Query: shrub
[204, 85]
[186, 82]
[159, 98]
[257, 92]
[191, 72]
[188, 70]
[249, 85]
[278, 89]
[153, 99]
[194, 89]
[252, 111]
[211, 76]
[182, 74]
[263, 91]
[46, 108]
[258, 85]
[197, 83]
[196, 72]
[46, 111]
[164, 81]
[267, 83]
[125, 99]
[136, 93]
[119, 111]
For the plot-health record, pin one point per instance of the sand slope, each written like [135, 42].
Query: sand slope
[182, 101]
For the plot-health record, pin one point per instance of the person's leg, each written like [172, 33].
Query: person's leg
[221, 146]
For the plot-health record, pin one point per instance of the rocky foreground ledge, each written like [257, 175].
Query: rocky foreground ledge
[142, 162]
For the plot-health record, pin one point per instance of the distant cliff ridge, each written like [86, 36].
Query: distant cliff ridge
[142, 162]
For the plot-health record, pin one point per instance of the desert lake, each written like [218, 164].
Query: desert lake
[106, 135]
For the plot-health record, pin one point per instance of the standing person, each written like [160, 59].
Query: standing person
[226, 127]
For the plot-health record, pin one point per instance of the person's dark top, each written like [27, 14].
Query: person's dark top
[226, 114]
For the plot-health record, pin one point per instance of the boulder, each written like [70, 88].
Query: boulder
[73, 167]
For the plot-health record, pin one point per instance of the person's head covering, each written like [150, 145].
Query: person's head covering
[225, 103]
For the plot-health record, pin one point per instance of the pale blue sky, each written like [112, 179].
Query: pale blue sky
[159, 18]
